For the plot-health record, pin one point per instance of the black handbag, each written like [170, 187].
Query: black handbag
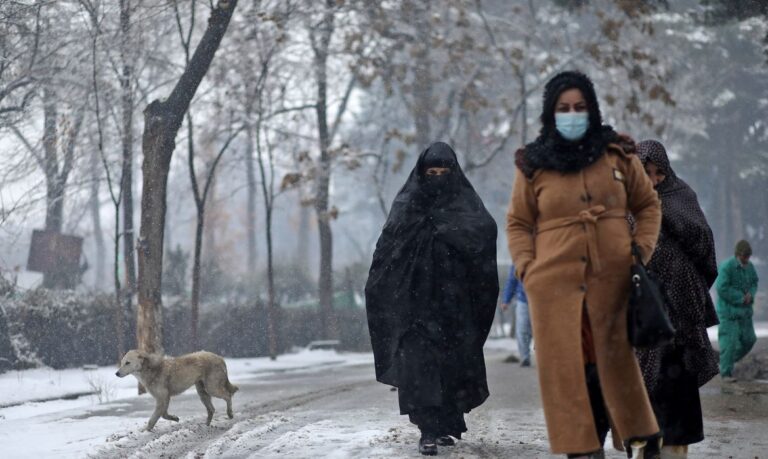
[647, 322]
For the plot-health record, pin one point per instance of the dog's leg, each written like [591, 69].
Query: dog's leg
[206, 399]
[167, 416]
[228, 398]
[160, 409]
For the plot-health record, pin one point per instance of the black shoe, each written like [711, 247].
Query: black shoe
[428, 445]
[599, 454]
[525, 363]
[652, 449]
[445, 440]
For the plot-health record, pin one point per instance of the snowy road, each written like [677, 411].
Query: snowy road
[341, 412]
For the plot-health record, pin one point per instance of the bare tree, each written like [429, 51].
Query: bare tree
[56, 161]
[199, 194]
[115, 187]
[127, 107]
[162, 120]
[320, 35]
[201, 197]
[267, 175]
[94, 202]
[261, 81]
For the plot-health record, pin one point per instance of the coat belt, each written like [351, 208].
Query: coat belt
[589, 219]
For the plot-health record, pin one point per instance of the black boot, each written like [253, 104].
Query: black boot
[599, 454]
[446, 440]
[428, 445]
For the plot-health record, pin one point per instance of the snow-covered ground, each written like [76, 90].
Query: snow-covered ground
[78, 427]
[307, 404]
[66, 428]
[22, 388]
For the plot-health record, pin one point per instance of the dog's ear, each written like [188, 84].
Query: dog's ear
[143, 355]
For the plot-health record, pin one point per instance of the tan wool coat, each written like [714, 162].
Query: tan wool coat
[571, 245]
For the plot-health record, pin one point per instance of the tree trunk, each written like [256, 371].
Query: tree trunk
[267, 184]
[271, 306]
[727, 227]
[210, 231]
[737, 217]
[98, 235]
[56, 173]
[54, 199]
[325, 281]
[162, 120]
[127, 166]
[302, 244]
[199, 229]
[250, 223]
[157, 144]
[196, 277]
[119, 311]
[323, 178]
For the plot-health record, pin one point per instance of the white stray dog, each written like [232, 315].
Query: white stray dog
[165, 377]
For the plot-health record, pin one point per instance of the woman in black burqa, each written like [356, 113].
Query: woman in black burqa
[431, 297]
[684, 260]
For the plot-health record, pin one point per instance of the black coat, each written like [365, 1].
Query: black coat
[684, 260]
[432, 288]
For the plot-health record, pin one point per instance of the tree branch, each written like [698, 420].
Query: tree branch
[212, 170]
[69, 148]
[291, 109]
[342, 108]
[185, 89]
[29, 146]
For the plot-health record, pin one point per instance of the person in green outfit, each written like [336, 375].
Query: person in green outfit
[736, 288]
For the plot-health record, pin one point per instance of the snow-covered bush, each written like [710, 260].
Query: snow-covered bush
[8, 358]
[61, 329]
[64, 328]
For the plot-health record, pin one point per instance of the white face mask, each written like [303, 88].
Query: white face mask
[572, 125]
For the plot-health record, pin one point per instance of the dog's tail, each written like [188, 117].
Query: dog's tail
[232, 388]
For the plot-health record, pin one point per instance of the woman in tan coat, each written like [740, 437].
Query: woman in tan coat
[570, 241]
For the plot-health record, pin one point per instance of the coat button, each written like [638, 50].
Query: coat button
[584, 198]
[583, 259]
[583, 288]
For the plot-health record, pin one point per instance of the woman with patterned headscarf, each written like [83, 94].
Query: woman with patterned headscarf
[685, 261]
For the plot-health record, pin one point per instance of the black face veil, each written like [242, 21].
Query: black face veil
[434, 274]
[444, 186]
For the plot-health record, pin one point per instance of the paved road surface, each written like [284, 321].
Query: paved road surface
[345, 413]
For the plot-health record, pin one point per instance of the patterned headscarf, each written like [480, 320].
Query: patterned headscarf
[653, 151]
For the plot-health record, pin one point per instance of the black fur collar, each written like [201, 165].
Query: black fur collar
[552, 152]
